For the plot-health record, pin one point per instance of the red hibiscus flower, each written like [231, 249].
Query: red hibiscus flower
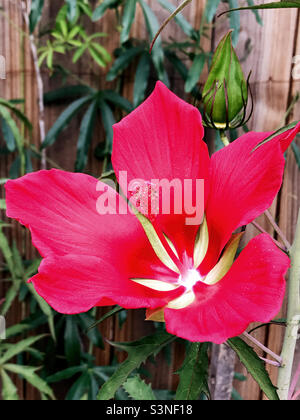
[185, 275]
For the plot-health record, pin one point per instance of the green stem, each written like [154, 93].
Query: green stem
[224, 138]
[293, 318]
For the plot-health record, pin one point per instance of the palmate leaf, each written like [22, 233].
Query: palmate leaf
[66, 374]
[123, 61]
[138, 353]
[19, 347]
[9, 390]
[66, 93]
[28, 373]
[138, 390]
[194, 373]
[116, 99]
[64, 119]
[254, 366]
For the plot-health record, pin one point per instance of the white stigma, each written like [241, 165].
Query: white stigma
[190, 279]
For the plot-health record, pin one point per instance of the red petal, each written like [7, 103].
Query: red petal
[252, 291]
[162, 139]
[60, 210]
[243, 185]
[74, 283]
[287, 137]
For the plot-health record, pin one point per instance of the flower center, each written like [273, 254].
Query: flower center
[145, 197]
[189, 280]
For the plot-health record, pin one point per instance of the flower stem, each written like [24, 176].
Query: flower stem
[294, 382]
[264, 348]
[277, 229]
[293, 318]
[224, 138]
[258, 227]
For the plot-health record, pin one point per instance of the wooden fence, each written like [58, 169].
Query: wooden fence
[273, 47]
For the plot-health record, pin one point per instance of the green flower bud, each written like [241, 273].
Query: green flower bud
[225, 93]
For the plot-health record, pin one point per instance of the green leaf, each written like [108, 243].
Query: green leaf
[102, 52]
[9, 390]
[65, 374]
[127, 19]
[195, 72]
[96, 56]
[157, 51]
[272, 5]
[35, 13]
[66, 93]
[211, 9]
[72, 341]
[256, 13]
[138, 353]
[122, 62]
[72, 10]
[118, 100]
[85, 320]
[235, 23]
[19, 348]
[166, 22]
[4, 112]
[141, 79]
[20, 115]
[100, 10]
[254, 366]
[80, 387]
[79, 52]
[178, 64]
[108, 121]
[277, 133]
[8, 136]
[137, 389]
[85, 136]
[296, 151]
[179, 19]
[7, 253]
[30, 376]
[236, 396]
[64, 119]
[110, 313]
[10, 296]
[45, 308]
[194, 373]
